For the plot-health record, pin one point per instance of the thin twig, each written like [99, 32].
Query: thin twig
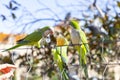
[104, 71]
[110, 63]
[98, 8]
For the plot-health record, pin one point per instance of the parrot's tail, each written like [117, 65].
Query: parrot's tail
[16, 46]
[84, 67]
[86, 71]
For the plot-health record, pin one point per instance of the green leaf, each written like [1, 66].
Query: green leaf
[84, 39]
[118, 4]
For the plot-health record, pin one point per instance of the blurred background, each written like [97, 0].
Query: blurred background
[100, 19]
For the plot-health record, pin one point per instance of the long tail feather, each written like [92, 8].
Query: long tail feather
[16, 46]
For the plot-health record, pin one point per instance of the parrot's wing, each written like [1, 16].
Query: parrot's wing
[83, 50]
[23, 42]
[33, 37]
[63, 51]
[36, 35]
[60, 60]
[84, 40]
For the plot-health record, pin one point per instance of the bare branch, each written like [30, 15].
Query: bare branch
[98, 8]
[48, 8]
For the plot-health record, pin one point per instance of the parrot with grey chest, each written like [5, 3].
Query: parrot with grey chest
[80, 43]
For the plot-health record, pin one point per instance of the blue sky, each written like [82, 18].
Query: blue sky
[30, 11]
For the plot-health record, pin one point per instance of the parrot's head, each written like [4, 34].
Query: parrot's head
[49, 35]
[69, 28]
[75, 24]
[59, 29]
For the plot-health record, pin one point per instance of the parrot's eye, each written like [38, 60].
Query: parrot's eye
[48, 40]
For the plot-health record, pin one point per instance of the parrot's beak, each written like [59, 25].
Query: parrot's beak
[51, 32]
[57, 29]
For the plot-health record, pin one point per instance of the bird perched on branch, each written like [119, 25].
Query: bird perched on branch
[31, 39]
[74, 34]
[79, 41]
[60, 55]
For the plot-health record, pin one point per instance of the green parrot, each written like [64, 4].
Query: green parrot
[75, 25]
[60, 56]
[79, 37]
[32, 39]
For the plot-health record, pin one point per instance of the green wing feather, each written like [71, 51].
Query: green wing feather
[59, 59]
[84, 40]
[35, 36]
